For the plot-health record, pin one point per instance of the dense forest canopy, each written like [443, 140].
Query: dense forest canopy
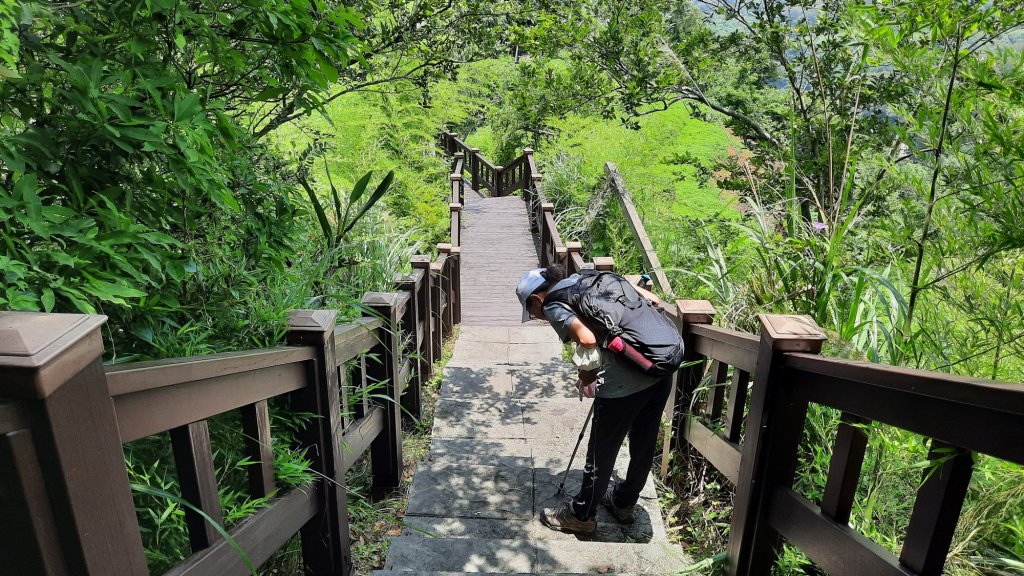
[175, 165]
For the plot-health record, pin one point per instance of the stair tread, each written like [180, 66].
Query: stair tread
[532, 556]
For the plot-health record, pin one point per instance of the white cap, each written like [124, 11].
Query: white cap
[528, 284]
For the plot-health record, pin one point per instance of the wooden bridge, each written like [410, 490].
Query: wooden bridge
[504, 425]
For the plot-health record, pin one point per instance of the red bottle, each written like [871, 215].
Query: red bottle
[620, 346]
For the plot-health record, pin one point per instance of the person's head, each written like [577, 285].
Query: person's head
[534, 286]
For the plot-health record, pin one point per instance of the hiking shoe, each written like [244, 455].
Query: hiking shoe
[563, 520]
[622, 514]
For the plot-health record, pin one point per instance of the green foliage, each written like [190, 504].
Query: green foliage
[127, 180]
[344, 221]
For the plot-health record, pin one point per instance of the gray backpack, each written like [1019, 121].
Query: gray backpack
[610, 306]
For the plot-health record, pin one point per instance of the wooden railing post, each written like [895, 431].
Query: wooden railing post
[64, 491]
[532, 198]
[424, 304]
[193, 459]
[475, 169]
[455, 212]
[445, 251]
[937, 510]
[325, 538]
[458, 190]
[545, 234]
[604, 264]
[410, 327]
[452, 137]
[572, 255]
[526, 175]
[844, 468]
[456, 279]
[688, 378]
[384, 366]
[775, 423]
[437, 298]
[499, 190]
[562, 257]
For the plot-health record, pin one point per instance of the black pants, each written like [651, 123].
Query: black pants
[637, 416]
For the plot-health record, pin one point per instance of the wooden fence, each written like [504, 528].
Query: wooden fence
[748, 421]
[64, 416]
[741, 401]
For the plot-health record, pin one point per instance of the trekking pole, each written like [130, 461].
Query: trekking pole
[561, 487]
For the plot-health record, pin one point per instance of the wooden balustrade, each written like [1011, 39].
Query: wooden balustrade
[64, 416]
[771, 380]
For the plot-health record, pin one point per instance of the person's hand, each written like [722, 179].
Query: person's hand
[588, 390]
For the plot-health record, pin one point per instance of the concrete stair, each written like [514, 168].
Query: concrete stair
[503, 433]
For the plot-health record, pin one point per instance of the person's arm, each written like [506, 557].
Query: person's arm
[580, 334]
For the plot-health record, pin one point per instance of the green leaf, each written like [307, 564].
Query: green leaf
[318, 210]
[377, 194]
[179, 40]
[111, 292]
[359, 188]
[186, 108]
[48, 299]
[156, 492]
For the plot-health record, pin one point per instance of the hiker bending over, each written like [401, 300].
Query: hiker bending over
[629, 399]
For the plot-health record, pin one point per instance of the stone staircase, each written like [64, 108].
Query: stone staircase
[504, 429]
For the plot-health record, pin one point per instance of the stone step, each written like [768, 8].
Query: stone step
[482, 459]
[421, 573]
[472, 379]
[549, 419]
[465, 555]
[452, 498]
[471, 491]
[542, 453]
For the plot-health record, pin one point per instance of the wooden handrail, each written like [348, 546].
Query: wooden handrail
[614, 179]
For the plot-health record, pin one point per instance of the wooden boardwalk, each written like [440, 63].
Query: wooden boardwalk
[497, 248]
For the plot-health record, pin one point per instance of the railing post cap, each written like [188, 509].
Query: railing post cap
[460, 155]
[420, 261]
[454, 206]
[573, 246]
[547, 207]
[527, 150]
[474, 150]
[40, 351]
[455, 250]
[604, 263]
[455, 176]
[499, 168]
[560, 250]
[696, 311]
[384, 299]
[310, 326]
[444, 247]
[537, 177]
[311, 320]
[791, 332]
[453, 134]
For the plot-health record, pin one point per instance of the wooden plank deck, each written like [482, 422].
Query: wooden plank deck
[497, 248]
